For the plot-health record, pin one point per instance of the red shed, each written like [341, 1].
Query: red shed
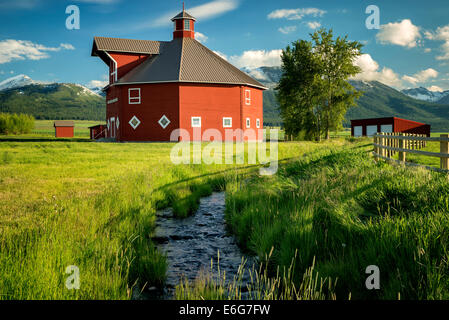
[64, 129]
[156, 87]
[369, 127]
[98, 131]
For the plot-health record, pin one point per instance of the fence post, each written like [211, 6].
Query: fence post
[401, 146]
[444, 148]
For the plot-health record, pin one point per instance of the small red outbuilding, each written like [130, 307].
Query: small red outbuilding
[369, 127]
[98, 131]
[64, 129]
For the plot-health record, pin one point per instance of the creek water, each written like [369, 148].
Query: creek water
[192, 242]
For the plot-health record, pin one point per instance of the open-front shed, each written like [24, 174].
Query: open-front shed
[369, 127]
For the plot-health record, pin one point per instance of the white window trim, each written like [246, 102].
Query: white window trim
[248, 98]
[113, 73]
[133, 100]
[248, 123]
[185, 21]
[112, 101]
[257, 123]
[227, 126]
[195, 126]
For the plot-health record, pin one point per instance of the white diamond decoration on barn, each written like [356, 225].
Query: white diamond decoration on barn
[117, 123]
[164, 122]
[134, 122]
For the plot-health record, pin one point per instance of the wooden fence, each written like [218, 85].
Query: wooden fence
[387, 145]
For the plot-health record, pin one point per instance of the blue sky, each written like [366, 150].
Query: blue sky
[410, 49]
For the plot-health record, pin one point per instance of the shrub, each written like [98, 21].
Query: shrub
[16, 123]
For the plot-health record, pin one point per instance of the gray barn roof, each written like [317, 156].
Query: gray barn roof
[180, 60]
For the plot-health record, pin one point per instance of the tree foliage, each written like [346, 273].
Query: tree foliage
[313, 91]
[16, 123]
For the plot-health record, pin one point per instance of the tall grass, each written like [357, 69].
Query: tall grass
[16, 123]
[93, 205]
[345, 212]
[261, 286]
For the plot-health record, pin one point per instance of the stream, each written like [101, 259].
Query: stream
[191, 243]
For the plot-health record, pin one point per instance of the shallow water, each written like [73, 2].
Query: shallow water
[191, 243]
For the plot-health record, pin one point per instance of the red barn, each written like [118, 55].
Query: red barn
[156, 87]
[369, 127]
[64, 129]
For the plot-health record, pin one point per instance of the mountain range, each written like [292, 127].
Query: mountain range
[21, 94]
[427, 95]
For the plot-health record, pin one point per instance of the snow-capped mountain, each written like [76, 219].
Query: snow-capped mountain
[425, 94]
[268, 76]
[18, 81]
[97, 90]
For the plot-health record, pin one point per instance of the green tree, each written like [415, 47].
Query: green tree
[313, 92]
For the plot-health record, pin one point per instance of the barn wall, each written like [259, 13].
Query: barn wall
[156, 100]
[408, 126]
[113, 112]
[253, 111]
[211, 103]
[64, 132]
[125, 62]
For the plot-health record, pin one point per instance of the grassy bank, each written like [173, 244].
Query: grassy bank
[345, 212]
[92, 205]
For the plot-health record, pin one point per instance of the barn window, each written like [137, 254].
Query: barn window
[196, 122]
[164, 122]
[248, 122]
[257, 123]
[248, 97]
[134, 96]
[134, 122]
[186, 24]
[227, 122]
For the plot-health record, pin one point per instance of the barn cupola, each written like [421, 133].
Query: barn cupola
[184, 25]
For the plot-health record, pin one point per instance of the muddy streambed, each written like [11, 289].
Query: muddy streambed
[191, 243]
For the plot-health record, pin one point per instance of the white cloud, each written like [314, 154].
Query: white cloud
[370, 72]
[287, 30]
[97, 84]
[403, 33]
[435, 89]
[11, 49]
[441, 34]
[296, 14]
[427, 50]
[201, 37]
[313, 24]
[258, 74]
[202, 12]
[421, 76]
[257, 58]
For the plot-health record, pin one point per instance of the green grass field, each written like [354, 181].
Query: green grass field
[92, 205]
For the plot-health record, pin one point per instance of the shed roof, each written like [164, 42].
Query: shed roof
[64, 123]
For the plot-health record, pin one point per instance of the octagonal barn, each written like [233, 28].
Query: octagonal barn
[156, 87]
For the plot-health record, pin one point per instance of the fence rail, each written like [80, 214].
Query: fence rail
[387, 145]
